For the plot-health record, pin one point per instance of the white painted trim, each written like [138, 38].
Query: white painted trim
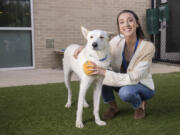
[154, 3]
[154, 36]
[32, 36]
[15, 28]
[16, 68]
[163, 1]
[32, 32]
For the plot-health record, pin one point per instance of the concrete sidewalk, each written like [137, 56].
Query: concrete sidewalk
[44, 76]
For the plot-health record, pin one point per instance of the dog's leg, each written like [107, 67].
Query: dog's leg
[97, 96]
[84, 85]
[67, 79]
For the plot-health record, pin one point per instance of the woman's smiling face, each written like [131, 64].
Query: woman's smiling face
[127, 24]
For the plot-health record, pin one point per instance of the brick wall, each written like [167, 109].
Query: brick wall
[61, 20]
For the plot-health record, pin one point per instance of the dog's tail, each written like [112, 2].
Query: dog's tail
[67, 73]
[67, 79]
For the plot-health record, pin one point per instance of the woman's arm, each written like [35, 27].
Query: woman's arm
[77, 51]
[134, 75]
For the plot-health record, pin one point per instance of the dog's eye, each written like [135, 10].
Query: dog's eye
[91, 36]
[101, 37]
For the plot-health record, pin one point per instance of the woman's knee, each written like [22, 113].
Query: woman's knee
[126, 93]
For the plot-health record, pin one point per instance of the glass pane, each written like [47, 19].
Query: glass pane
[15, 49]
[15, 13]
[173, 28]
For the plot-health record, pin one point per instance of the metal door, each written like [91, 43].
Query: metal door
[169, 34]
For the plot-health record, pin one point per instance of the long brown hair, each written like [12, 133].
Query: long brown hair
[139, 31]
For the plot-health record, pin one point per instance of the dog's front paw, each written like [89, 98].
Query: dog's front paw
[68, 105]
[79, 124]
[100, 123]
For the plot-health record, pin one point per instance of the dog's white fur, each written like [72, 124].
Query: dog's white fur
[70, 64]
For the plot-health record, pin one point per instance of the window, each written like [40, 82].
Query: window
[16, 34]
[15, 13]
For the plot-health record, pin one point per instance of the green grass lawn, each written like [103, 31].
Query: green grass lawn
[39, 110]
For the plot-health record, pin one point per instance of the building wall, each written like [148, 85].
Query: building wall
[61, 20]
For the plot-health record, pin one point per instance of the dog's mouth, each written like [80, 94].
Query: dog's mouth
[96, 48]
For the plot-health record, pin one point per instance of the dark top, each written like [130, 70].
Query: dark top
[125, 63]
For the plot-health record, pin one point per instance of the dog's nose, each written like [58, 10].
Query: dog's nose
[94, 45]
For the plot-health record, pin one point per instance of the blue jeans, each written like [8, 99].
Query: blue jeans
[133, 94]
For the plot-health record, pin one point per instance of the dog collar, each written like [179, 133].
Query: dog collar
[103, 59]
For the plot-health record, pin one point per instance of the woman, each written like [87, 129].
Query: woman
[131, 61]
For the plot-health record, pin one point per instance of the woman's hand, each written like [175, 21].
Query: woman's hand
[96, 70]
[77, 51]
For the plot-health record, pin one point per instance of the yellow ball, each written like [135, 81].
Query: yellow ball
[85, 67]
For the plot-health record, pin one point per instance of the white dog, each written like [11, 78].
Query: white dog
[97, 51]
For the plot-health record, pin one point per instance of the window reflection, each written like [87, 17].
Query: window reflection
[15, 13]
[15, 49]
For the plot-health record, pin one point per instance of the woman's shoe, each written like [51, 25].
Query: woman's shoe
[139, 114]
[111, 112]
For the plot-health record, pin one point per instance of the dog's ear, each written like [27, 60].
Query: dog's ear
[111, 35]
[84, 32]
